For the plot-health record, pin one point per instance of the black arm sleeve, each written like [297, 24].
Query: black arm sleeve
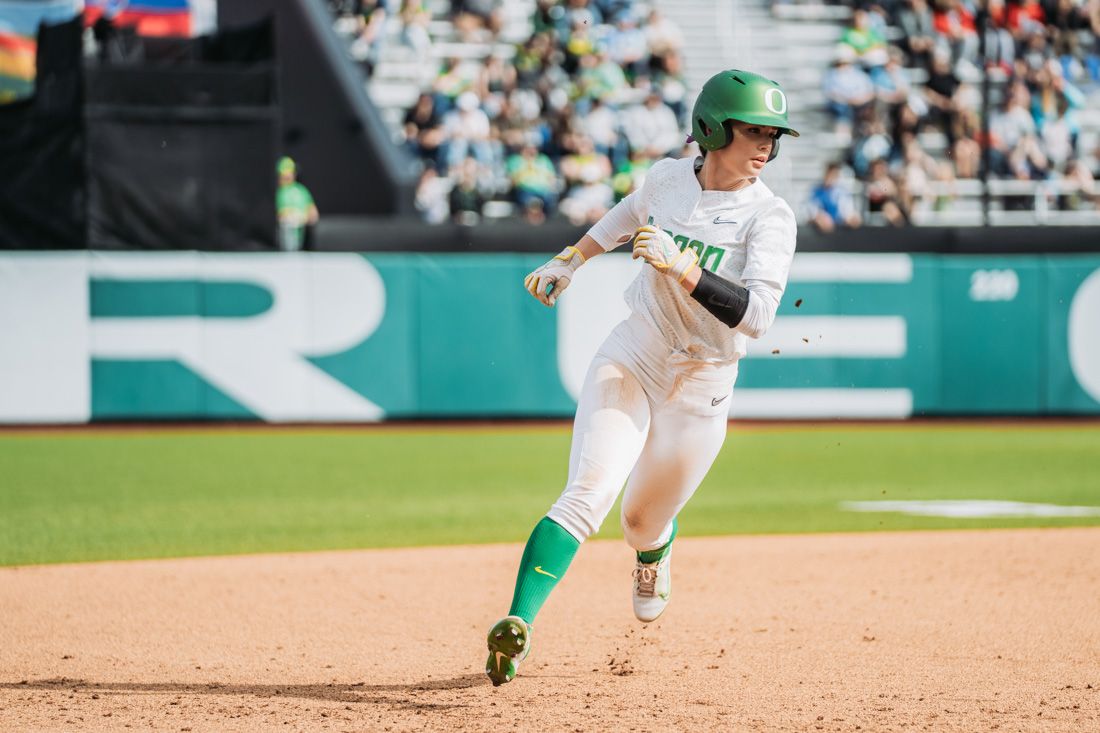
[726, 301]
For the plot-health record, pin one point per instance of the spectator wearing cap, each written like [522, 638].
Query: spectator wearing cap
[830, 205]
[627, 46]
[847, 89]
[294, 207]
[652, 127]
[467, 132]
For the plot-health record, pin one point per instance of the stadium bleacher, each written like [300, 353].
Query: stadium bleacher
[584, 66]
[1052, 194]
[565, 51]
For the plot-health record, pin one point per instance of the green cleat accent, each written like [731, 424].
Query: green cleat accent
[509, 643]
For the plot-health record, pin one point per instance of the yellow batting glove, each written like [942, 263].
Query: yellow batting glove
[549, 281]
[656, 247]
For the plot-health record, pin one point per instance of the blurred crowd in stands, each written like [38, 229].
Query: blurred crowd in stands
[565, 122]
[904, 91]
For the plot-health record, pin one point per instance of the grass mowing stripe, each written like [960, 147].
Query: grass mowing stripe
[164, 494]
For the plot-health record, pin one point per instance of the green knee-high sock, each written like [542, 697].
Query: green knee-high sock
[545, 560]
[652, 556]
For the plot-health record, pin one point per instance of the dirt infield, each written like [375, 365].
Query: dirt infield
[960, 631]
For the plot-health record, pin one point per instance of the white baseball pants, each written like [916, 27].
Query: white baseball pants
[649, 413]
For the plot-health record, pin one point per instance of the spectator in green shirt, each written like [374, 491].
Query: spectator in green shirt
[294, 206]
[534, 183]
[867, 41]
[630, 175]
[600, 77]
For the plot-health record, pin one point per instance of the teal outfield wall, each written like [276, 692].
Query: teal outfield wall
[351, 337]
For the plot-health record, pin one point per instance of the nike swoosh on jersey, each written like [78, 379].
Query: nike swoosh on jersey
[538, 569]
[719, 220]
[718, 400]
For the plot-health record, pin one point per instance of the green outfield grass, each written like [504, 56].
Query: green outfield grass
[119, 495]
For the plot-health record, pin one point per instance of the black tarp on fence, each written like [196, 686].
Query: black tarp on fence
[182, 141]
[160, 143]
[42, 150]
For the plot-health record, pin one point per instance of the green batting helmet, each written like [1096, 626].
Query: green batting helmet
[738, 95]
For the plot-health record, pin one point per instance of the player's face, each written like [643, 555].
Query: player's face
[747, 155]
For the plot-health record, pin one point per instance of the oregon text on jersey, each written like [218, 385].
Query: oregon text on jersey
[710, 255]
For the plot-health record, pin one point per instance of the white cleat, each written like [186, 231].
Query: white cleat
[652, 587]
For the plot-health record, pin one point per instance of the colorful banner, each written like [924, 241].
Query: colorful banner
[19, 21]
[152, 17]
[288, 337]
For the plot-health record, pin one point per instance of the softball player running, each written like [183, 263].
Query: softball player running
[653, 410]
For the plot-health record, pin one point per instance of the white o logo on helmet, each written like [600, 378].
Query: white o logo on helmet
[776, 101]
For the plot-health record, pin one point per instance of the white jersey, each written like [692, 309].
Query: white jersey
[738, 235]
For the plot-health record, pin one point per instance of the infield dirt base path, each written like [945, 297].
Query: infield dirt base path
[961, 631]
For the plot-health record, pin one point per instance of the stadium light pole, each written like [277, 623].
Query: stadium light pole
[982, 21]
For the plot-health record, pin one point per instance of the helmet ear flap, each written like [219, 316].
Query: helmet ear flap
[775, 151]
[775, 148]
[713, 137]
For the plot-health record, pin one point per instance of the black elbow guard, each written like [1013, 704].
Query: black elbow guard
[726, 301]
